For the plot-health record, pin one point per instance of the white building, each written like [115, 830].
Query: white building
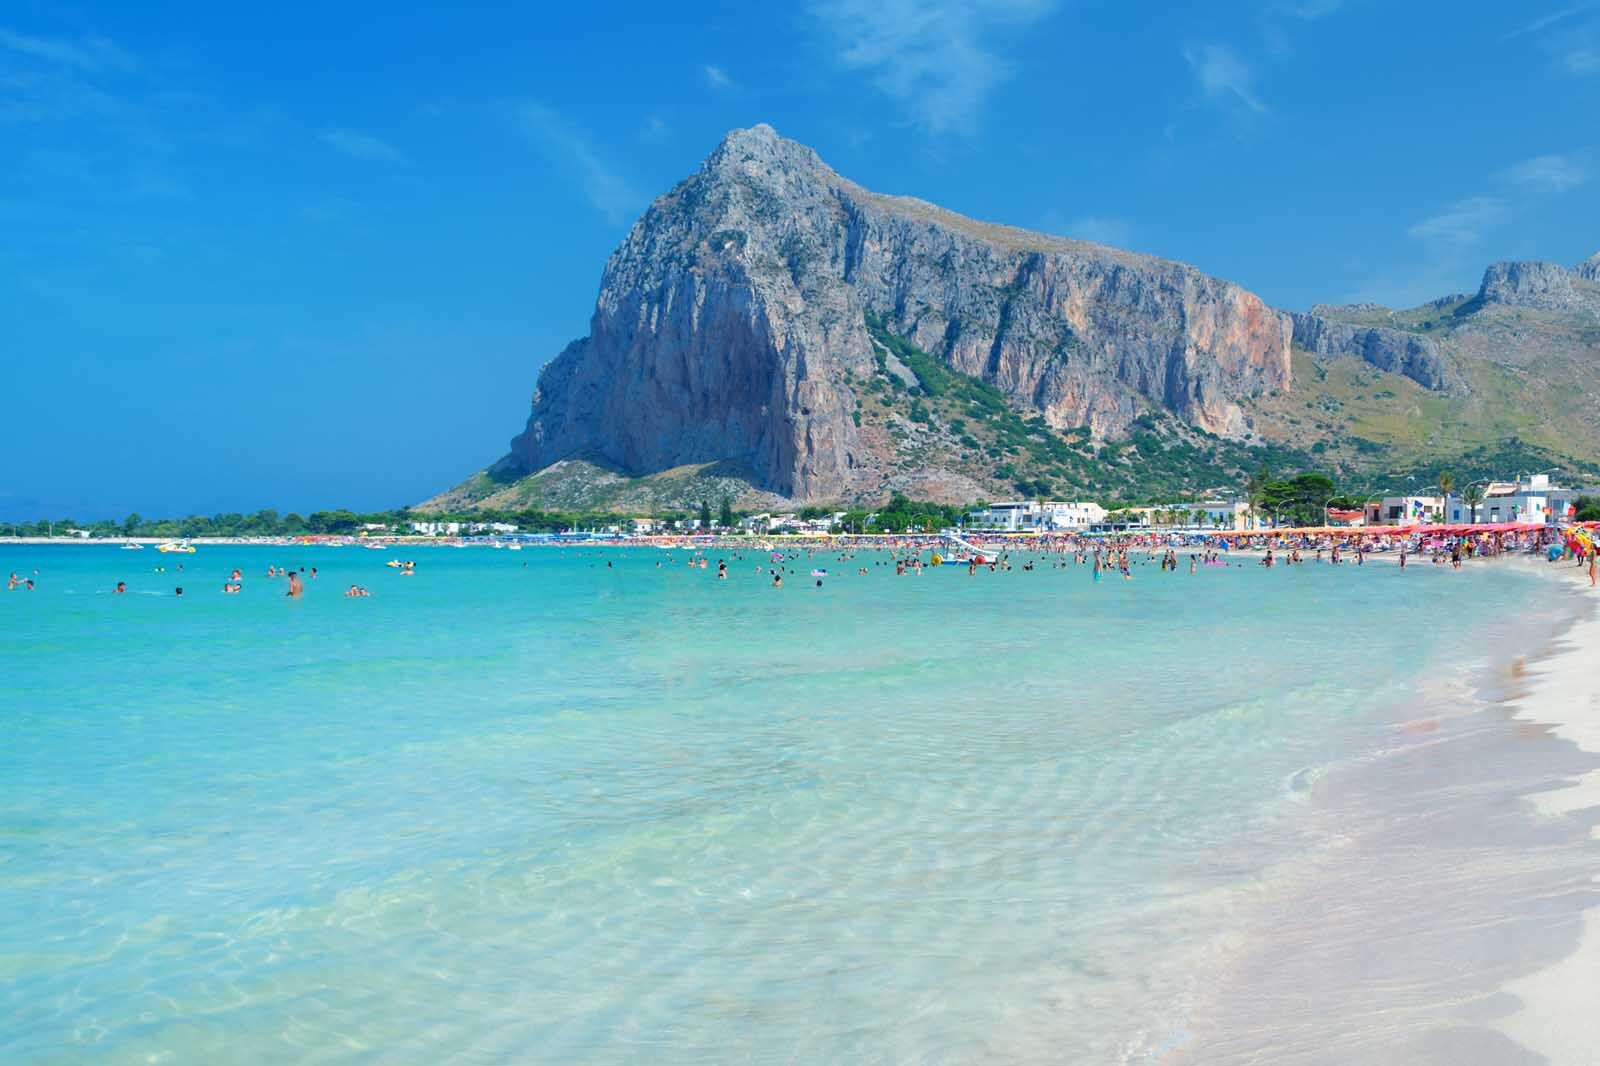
[1533, 500]
[1206, 515]
[1563, 502]
[1027, 516]
[1404, 510]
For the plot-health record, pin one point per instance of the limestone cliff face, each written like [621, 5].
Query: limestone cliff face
[1544, 286]
[729, 327]
[1394, 350]
[1589, 269]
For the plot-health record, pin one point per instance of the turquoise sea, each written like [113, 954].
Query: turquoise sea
[575, 806]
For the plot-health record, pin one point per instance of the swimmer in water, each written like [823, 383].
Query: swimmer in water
[122, 586]
[777, 579]
[295, 588]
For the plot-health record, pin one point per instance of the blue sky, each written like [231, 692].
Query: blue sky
[314, 255]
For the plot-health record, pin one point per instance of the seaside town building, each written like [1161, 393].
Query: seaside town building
[790, 523]
[1028, 516]
[1404, 510]
[452, 529]
[1532, 500]
[1212, 515]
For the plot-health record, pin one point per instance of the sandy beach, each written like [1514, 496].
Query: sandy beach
[1559, 1017]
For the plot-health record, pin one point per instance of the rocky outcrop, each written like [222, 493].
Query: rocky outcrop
[1589, 269]
[1394, 350]
[730, 328]
[1539, 285]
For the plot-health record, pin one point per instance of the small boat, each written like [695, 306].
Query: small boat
[133, 547]
[175, 546]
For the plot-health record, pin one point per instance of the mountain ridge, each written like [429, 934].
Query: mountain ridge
[734, 329]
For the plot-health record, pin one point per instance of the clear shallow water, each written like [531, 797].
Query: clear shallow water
[565, 812]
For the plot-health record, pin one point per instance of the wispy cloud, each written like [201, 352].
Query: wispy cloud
[718, 79]
[50, 79]
[359, 145]
[937, 59]
[1446, 255]
[1227, 82]
[88, 53]
[655, 130]
[1545, 21]
[1447, 252]
[570, 151]
[1579, 56]
[1461, 224]
[1547, 173]
[1574, 49]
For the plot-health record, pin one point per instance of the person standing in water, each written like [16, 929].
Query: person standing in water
[295, 588]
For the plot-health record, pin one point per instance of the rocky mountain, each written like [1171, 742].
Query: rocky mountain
[1394, 350]
[772, 325]
[1546, 286]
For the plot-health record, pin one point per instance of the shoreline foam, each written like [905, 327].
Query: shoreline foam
[1445, 918]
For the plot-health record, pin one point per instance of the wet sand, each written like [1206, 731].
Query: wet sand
[1450, 915]
[1559, 1016]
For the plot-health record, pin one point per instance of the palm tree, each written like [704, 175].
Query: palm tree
[1447, 482]
[1472, 495]
[1255, 491]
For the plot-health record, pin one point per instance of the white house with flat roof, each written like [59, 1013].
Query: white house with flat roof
[1029, 516]
[1532, 500]
[1204, 515]
[1404, 510]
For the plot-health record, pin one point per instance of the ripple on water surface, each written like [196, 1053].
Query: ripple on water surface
[499, 812]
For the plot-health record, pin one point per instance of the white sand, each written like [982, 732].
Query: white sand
[1560, 1013]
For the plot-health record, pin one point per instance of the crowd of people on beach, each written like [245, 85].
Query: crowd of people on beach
[1118, 554]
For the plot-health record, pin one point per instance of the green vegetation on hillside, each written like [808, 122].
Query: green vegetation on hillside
[268, 523]
[1370, 430]
[1162, 460]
